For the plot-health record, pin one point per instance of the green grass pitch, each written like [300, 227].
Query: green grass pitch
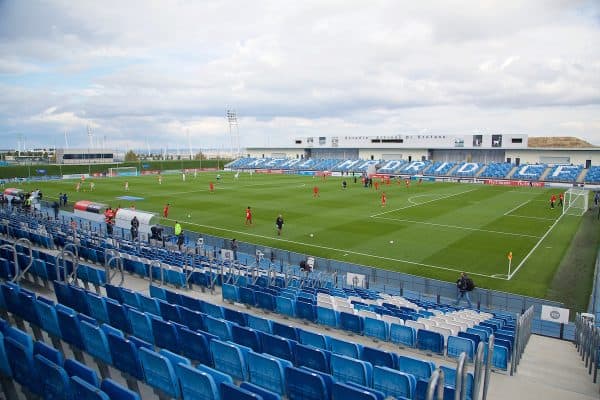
[432, 229]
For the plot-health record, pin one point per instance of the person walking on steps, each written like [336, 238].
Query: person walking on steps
[465, 285]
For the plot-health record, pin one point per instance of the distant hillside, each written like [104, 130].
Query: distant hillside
[558, 142]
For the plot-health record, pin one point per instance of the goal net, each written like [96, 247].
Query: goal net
[123, 171]
[576, 202]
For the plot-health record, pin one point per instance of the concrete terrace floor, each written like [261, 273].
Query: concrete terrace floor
[550, 369]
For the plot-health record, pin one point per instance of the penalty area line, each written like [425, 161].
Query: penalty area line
[534, 247]
[343, 251]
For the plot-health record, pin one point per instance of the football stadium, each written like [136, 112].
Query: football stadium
[406, 207]
[354, 293]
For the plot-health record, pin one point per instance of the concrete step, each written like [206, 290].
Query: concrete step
[550, 369]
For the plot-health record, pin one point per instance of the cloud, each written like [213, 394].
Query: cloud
[142, 71]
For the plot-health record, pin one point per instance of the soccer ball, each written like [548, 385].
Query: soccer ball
[189, 215]
[311, 235]
[391, 242]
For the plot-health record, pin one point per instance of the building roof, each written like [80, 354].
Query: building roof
[558, 142]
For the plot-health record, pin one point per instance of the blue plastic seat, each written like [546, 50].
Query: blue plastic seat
[114, 292]
[125, 356]
[393, 382]
[500, 357]
[52, 380]
[218, 327]
[265, 300]
[69, 326]
[169, 312]
[158, 292]
[285, 306]
[352, 322]
[26, 308]
[63, 294]
[213, 310]
[246, 337]
[159, 373]
[267, 371]
[247, 296]
[165, 335]
[140, 343]
[450, 380]
[305, 385]
[342, 391]
[141, 325]
[97, 307]
[307, 311]
[230, 292]
[195, 346]
[234, 316]
[327, 317]
[196, 384]
[192, 303]
[95, 342]
[191, 318]
[229, 358]
[312, 357]
[48, 352]
[345, 348]
[130, 298]
[82, 390]
[117, 392]
[232, 392]
[262, 392]
[218, 376]
[403, 335]
[475, 338]
[149, 305]
[348, 369]
[286, 331]
[376, 328]
[421, 369]
[79, 297]
[20, 359]
[313, 339]
[5, 370]
[457, 345]
[278, 346]
[260, 324]
[379, 357]
[75, 368]
[117, 316]
[430, 341]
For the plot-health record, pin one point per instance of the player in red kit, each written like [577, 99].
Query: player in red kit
[166, 210]
[248, 216]
[316, 191]
[552, 201]
[211, 186]
[560, 199]
[376, 185]
[383, 199]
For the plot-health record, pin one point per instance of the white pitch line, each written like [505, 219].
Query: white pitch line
[517, 207]
[420, 204]
[345, 251]
[527, 216]
[535, 247]
[459, 227]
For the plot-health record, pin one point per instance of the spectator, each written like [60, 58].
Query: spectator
[465, 285]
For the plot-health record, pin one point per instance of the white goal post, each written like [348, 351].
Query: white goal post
[123, 171]
[576, 202]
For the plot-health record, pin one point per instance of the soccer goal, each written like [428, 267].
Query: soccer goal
[576, 202]
[123, 171]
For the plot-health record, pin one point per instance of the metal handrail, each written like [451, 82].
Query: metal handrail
[20, 272]
[477, 369]
[62, 257]
[158, 264]
[587, 343]
[111, 255]
[488, 366]
[460, 392]
[436, 385]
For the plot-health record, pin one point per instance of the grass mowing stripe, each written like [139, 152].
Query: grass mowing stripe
[454, 269]
[458, 227]
[420, 204]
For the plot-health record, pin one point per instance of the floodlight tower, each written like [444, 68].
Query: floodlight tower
[234, 131]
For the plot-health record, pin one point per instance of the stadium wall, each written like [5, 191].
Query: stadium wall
[401, 154]
[559, 156]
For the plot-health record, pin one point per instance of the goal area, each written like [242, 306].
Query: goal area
[576, 202]
[122, 171]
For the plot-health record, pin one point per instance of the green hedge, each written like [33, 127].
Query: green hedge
[24, 171]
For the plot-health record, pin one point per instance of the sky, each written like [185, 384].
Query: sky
[161, 74]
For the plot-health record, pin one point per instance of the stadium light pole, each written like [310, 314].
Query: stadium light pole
[233, 128]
